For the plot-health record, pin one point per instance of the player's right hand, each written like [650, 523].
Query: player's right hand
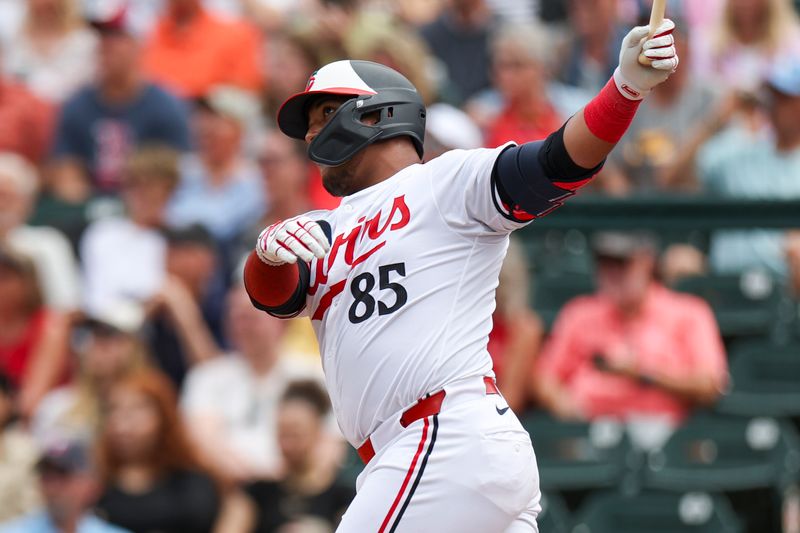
[634, 80]
[287, 241]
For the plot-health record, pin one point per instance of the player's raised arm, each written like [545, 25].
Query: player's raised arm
[594, 131]
[534, 178]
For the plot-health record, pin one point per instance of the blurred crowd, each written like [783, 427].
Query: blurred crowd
[139, 159]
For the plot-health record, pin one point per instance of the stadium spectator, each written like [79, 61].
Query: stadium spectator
[750, 38]
[287, 177]
[309, 487]
[402, 49]
[517, 332]
[593, 53]
[69, 486]
[221, 188]
[292, 54]
[33, 338]
[102, 124]
[56, 267]
[231, 401]
[520, 74]
[192, 50]
[459, 37]
[185, 320]
[734, 166]
[658, 152]
[106, 348]
[53, 52]
[26, 121]
[148, 180]
[633, 350]
[19, 492]
[152, 478]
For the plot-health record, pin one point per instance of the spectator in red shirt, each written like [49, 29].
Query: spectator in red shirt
[191, 50]
[520, 74]
[634, 349]
[33, 340]
[26, 122]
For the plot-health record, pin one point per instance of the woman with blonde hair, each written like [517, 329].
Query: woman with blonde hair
[53, 52]
[107, 349]
[749, 39]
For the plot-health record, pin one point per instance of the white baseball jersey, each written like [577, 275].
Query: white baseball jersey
[403, 302]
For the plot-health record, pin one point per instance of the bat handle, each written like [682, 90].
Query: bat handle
[644, 60]
[656, 18]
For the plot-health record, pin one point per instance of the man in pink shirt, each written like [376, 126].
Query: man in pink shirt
[634, 348]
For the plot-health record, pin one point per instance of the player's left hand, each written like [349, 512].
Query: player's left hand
[634, 80]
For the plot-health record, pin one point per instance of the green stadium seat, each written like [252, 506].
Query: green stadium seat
[550, 293]
[717, 453]
[554, 516]
[576, 456]
[765, 380]
[656, 512]
[743, 305]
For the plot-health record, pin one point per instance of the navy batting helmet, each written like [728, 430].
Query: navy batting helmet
[373, 87]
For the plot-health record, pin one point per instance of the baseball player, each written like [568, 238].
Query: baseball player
[399, 282]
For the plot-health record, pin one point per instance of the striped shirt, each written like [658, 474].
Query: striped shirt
[735, 165]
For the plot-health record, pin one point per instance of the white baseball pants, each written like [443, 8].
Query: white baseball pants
[469, 469]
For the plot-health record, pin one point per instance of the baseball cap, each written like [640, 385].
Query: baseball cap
[785, 77]
[67, 456]
[622, 245]
[108, 16]
[231, 102]
[453, 128]
[120, 317]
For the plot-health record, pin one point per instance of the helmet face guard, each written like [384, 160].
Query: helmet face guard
[346, 133]
[373, 88]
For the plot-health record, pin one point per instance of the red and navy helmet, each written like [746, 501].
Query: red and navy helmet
[373, 87]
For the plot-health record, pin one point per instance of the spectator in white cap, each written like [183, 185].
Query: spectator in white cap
[107, 347]
[56, 266]
[448, 128]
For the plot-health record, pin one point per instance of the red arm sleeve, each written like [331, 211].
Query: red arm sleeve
[278, 290]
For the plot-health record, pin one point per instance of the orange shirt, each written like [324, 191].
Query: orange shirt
[208, 51]
[508, 126]
[674, 335]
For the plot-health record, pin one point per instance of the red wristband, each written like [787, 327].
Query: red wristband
[609, 114]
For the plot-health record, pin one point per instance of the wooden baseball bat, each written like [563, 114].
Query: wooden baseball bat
[656, 18]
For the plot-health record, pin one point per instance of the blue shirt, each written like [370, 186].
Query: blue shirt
[736, 165]
[40, 522]
[224, 209]
[102, 136]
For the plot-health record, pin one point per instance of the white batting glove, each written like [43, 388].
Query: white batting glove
[289, 240]
[633, 80]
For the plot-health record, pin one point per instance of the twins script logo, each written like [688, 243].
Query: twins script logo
[311, 81]
[344, 246]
